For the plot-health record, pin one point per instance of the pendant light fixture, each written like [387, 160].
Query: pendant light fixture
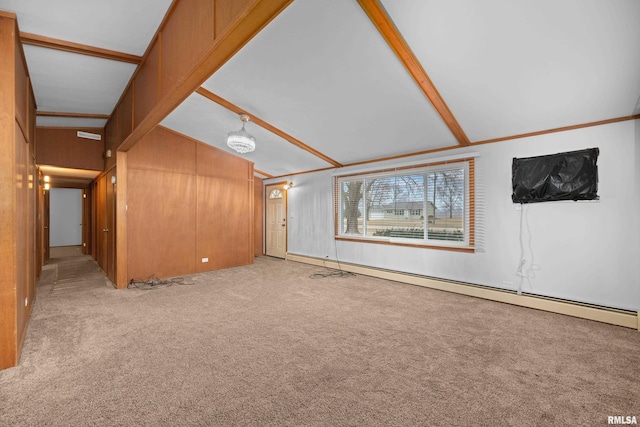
[241, 140]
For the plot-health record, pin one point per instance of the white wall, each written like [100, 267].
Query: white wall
[582, 251]
[65, 217]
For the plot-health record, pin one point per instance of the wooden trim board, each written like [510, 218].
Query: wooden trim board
[231, 107]
[604, 315]
[73, 115]
[82, 49]
[378, 16]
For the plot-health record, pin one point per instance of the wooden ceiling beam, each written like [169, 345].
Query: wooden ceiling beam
[82, 49]
[560, 129]
[71, 115]
[232, 107]
[378, 15]
[262, 173]
[249, 20]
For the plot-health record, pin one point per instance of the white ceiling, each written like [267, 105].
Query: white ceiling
[322, 73]
[73, 83]
[336, 85]
[508, 67]
[121, 25]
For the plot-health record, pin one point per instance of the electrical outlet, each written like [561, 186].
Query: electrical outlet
[205, 259]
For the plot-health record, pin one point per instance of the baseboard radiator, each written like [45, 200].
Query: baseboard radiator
[627, 319]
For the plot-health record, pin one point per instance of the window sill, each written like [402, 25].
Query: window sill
[397, 242]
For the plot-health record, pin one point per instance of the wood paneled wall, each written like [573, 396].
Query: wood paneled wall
[125, 114]
[8, 343]
[147, 84]
[225, 209]
[22, 94]
[195, 39]
[186, 201]
[225, 13]
[191, 24]
[18, 195]
[62, 147]
[111, 140]
[205, 210]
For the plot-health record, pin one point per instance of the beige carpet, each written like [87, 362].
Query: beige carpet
[266, 345]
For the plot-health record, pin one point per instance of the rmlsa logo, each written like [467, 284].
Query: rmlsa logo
[619, 419]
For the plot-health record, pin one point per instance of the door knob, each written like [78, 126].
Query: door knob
[105, 230]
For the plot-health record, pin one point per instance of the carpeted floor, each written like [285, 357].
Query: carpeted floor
[267, 345]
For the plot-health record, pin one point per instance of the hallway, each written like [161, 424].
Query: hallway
[68, 270]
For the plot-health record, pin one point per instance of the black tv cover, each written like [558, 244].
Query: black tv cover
[563, 176]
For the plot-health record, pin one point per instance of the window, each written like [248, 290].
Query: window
[429, 205]
[275, 194]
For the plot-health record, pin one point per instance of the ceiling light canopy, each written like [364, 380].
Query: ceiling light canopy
[241, 140]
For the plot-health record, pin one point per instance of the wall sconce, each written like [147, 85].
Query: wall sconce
[288, 185]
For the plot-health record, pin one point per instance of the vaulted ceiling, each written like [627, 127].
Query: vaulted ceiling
[337, 82]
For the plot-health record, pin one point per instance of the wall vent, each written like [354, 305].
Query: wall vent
[88, 135]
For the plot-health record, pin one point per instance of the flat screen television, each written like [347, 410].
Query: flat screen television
[571, 175]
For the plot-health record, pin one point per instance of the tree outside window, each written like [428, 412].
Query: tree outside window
[419, 204]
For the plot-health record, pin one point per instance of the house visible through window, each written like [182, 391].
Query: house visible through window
[428, 205]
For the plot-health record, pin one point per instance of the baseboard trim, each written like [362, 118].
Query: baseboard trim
[611, 316]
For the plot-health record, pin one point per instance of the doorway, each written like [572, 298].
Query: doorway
[104, 194]
[276, 221]
[65, 222]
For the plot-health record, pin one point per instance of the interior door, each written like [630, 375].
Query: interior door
[105, 195]
[276, 220]
[110, 217]
[101, 223]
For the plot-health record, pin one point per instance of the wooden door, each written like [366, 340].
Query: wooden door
[110, 216]
[276, 235]
[105, 196]
[101, 223]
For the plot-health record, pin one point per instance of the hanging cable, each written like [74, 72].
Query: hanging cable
[331, 272]
[522, 261]
[529, 273]
[154, 283]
